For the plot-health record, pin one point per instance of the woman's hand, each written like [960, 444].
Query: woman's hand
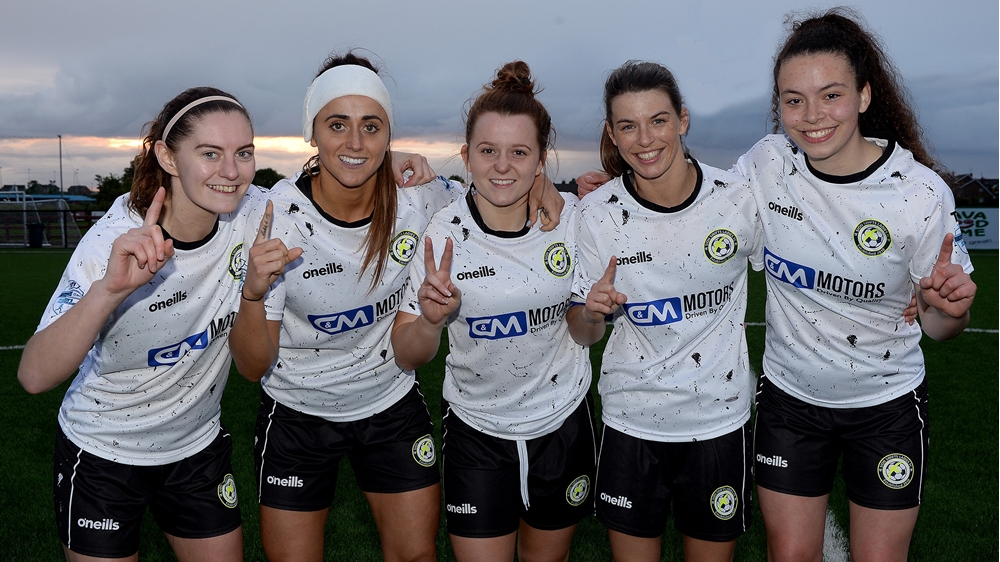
[417, 164]
[268, 258]
[138, 254]
[439, 297]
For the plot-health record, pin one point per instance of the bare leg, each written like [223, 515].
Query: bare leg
[77, 557]
[794, 525]
[292, 536]
[696, 550]
[224, 548]
[881, 535]
[628, 548]
[536, 545]
[407, 523]
[493, 549]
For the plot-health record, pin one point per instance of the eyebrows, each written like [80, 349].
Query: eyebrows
[221, 149]
[344, 117]
[820, 89]
[653, 116]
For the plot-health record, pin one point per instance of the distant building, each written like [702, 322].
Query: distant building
[80, 190]
[567, 186]
[972, 192]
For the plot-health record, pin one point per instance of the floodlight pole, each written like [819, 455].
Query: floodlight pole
[61, 190]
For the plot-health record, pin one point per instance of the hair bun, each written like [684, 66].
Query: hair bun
[514, 77]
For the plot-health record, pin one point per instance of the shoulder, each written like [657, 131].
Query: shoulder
[434, 194]
[609, 194]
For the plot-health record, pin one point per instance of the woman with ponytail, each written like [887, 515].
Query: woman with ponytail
[143, 310]
[518, 451]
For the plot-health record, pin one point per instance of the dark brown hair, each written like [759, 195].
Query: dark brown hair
[634, 77]
[839, 31]
[512, 92]
[149, 175]
[383, 223]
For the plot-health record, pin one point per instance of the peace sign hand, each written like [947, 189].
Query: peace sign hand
[139, 253]
[603, 299]
[438, 296]
[948, 288]
[268, 258]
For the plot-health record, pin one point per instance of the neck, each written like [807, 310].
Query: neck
[851, 159]
[672, 188]
[511, 218]
[348, 204]
[186, 224]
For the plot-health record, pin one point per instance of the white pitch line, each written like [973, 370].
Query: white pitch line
[835, 546]
[10, 347]
[974, 330]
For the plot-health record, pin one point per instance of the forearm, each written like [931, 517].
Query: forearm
[583, 329]
[940, 326]
[53, 354]
[254, 340]
[415, 340]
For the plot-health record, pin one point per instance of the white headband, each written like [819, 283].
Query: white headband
[340, 81]
[186, 108]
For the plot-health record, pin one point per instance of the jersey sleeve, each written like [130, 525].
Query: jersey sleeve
[416, 271]
[589, 268]
[87, 265]
[940, 220]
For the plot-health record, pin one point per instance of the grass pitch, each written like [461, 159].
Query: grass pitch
[954, 524]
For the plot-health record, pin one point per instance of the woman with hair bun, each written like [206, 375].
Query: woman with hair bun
[856, 222]
[143, 309]
[519, 449]
[317, 336]
[663, 248]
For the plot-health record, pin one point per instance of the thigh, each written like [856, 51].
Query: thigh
[539, 545]
[481, 482]
[292, 536]
[196, 498]
[631, 491]
[885, 452]
[712, 484]
[296, 457]
[795, 445]
[407, 523]
[794, 525]
[99, 504]
[222, 548]
[880, 535]
[395, 449]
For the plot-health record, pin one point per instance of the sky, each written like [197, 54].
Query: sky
[95, 72]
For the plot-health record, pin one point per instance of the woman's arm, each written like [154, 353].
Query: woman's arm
[586, 323]
[56, 351]
[945, 296]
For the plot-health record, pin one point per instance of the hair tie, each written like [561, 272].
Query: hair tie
[340, 81]
[195, 103]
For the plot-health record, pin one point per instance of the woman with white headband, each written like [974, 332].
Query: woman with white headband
[318, 336]
[143, 309]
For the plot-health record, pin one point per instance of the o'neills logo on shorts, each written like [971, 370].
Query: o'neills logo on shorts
[775, 460]
[102, 525]
[290, 482]
[465, 508]
[620, 501]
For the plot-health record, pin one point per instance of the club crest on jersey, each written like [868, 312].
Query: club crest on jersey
[557, 260]
[343, 321]
[724, 502]
[68, 297]
[872, 237]
[578, 490]
[655, 313]
[721, 245]
[423, 451]
[500, 326]
[171, 354]
[895, 470]
[227, 492]
[403, 246]
[237, 264]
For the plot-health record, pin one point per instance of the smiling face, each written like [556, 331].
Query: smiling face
[647, 129]
[820, 103]
[503, 157]
[212, 168]
[352, 136]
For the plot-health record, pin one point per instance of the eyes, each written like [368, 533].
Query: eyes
[516, 152]
[831, 96]
[243, 154]
[370, 127]
[655, 122]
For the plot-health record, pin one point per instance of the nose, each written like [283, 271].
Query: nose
[502, 163]
[645, 136]
[813, 113]
[354, 140]
[229, 169]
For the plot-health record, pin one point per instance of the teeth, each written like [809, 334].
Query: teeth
[648, 155]
[352, 161]
[502, 182]
[818, 134]
[223, 188]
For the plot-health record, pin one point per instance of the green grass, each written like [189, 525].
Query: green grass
[954, 522]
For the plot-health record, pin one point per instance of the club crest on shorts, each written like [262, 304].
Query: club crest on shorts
[721, 245]
[68, 297]
[578, 490]
[895, 470]
[872, 237]
[237, 264]
[403, 246]
[423, 451]
[557, 260]
[724, 502]
[227, 491]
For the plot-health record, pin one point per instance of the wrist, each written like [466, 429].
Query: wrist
[244, 296]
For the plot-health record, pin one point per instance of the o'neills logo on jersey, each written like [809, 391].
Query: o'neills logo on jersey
[774, 460]
[620, 501]
[805, 277]
[102, 525]
[327, 269]
[790, 212]
[160, 305]
[343, 321]
[483, 271]
[465, 508]
[290, 482]
[639, 257]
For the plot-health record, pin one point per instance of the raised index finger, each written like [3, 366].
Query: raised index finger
[153, 212]
[429, 265]
[446, 257]
[609, 273]
[264, 231]
[944, 256]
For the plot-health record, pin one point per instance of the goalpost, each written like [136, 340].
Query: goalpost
[23, 219]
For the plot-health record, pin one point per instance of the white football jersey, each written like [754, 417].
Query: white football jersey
[335, 359]
[675, 368]
[841, 256]
[148, 391]
[513, 371]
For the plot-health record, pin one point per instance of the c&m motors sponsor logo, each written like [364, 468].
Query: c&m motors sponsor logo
[789, 272]
[655, 313]
[496, 327]
[347, 320]
[805, 277]
[172, 353]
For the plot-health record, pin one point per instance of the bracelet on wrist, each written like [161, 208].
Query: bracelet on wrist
[244, 296]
